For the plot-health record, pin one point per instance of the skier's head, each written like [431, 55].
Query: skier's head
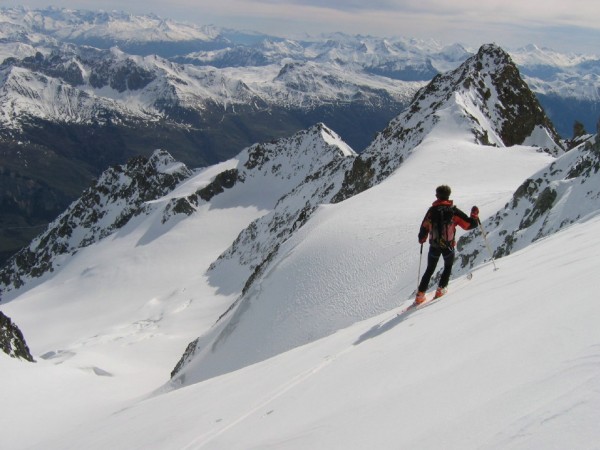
[443, 192]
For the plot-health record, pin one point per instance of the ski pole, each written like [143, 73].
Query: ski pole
[487, 244]
[419, 273]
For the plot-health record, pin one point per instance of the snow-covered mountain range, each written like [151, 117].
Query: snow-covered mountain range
[200, 308]
[68, 75]
[242, 69]
[149, 87]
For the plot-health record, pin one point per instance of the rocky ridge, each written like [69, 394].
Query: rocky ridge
[545, 203]
[115, 198]
[487, 91]
[11, 340]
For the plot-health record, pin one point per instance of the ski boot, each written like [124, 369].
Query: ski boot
[420, 298]
[439, 292]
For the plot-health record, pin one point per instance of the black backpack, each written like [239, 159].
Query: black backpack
[442, 230]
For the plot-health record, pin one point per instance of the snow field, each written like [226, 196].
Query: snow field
[505, 361]
[359, 258]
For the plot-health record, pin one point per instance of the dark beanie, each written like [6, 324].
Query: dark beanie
[443, 192]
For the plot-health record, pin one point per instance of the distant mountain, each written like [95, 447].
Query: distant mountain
[132, 33]
[549, 73]
[567, 85]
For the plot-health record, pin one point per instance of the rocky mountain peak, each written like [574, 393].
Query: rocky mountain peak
[510, 103]
[489, 83]
[484, 97]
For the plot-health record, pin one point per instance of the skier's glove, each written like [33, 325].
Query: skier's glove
[475, 212]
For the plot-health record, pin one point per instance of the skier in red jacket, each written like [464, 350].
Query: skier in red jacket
[440, 225]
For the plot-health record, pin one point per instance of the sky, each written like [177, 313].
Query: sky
[564, 26]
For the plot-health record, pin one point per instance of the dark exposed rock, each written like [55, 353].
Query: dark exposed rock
[224, 180]
[12, 341]
[125, 76]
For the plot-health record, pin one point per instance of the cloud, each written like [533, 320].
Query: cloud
[551, 12]
[342, 5]
[555, 23]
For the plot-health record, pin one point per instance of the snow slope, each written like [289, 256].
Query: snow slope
[358, 258]
[289, 288]
[504, 361]
[121, 310]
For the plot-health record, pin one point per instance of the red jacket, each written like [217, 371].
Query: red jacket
[458, 218]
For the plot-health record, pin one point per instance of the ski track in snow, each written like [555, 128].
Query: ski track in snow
[294, 382]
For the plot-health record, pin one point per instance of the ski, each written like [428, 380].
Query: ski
[414, 307]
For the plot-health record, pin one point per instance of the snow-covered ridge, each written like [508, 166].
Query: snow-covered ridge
[263, 174]
[116, 197]
[557, 196]
[485, 100]
[308, 167]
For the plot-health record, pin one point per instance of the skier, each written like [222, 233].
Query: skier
[440, 225]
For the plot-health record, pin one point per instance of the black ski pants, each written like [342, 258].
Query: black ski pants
[432, 259]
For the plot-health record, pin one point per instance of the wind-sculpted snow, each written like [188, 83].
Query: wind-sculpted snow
[557, 196]
[119, 195]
